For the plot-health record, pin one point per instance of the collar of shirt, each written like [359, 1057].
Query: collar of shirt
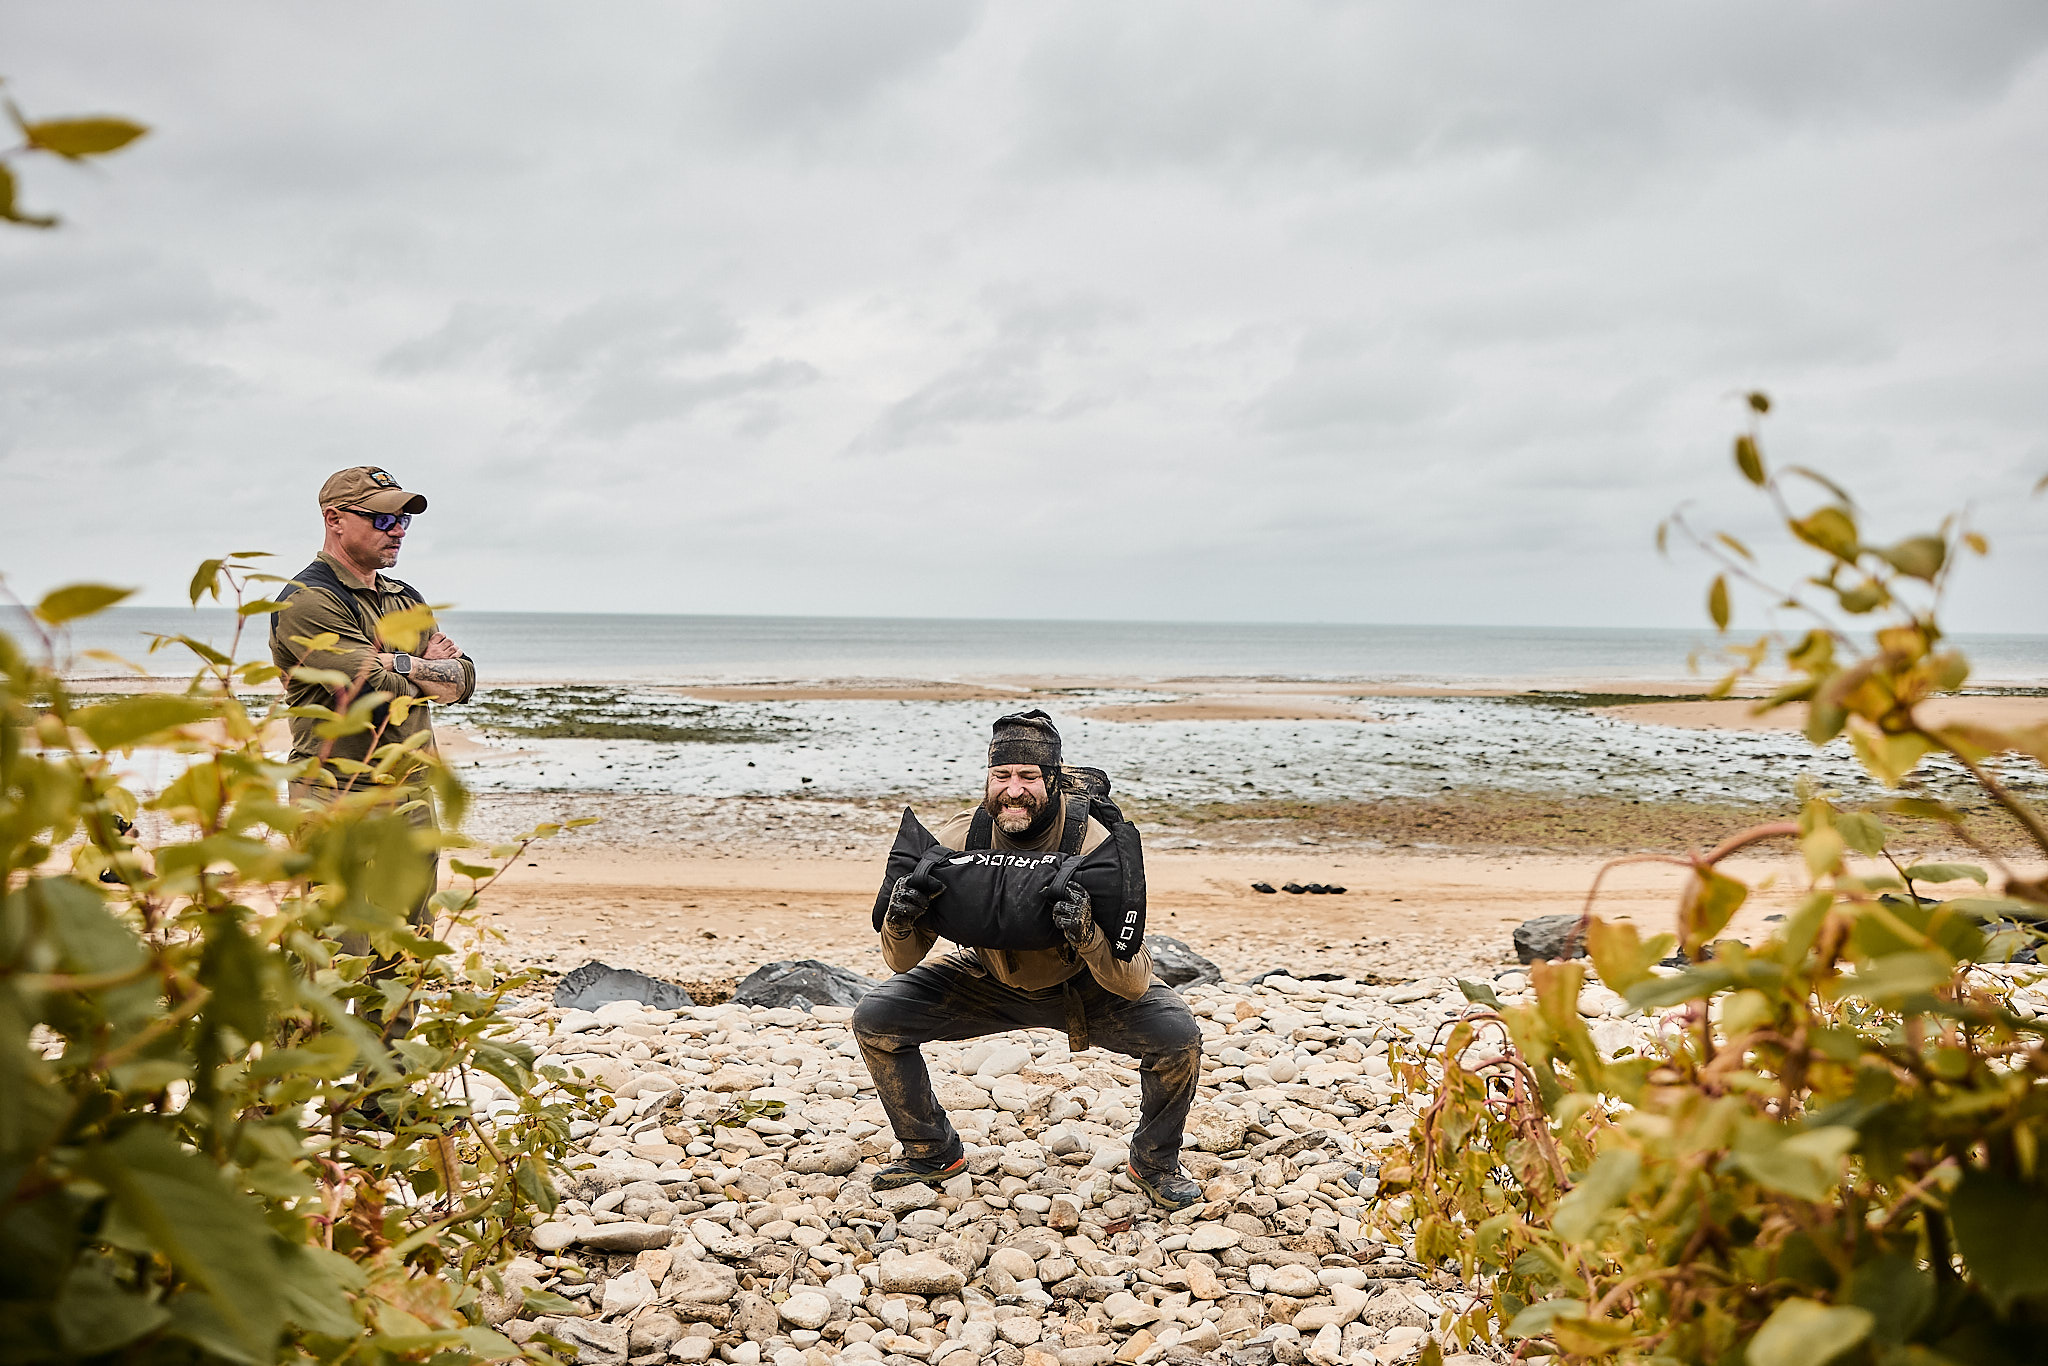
[351, 578]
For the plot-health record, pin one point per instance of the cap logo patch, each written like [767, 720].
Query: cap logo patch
[382, 480]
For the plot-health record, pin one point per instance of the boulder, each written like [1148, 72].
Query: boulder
[1549, 936]
[597, 984]
[1177, 964]
[803, 983]
[1216, 1128]
[835, 1157]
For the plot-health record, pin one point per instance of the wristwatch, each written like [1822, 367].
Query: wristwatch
[401, 663]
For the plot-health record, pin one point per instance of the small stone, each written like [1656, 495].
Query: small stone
[1297, 1281]
[1065, 1214]
[553, 1237]
[623, 1294]
[654, 1331]
[1128, 1311]
[692, 1350]
[1202, 1283]
[1216, 1128]
[1213, 1238]
[904, 1199]
[694, 1282]
[1139, 1343]
[602, 1344]
[1325, 1348]
[922, 1273]
[1087, 1356]
[626, 1237]
[1004, 1060]
[1014, 1261]
[807, 1309]
[836, 1158]
[1177, 964]
[1203, 1337]
[1021, 1331]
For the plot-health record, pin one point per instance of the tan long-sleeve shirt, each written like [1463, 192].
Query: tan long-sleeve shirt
[1028, 969]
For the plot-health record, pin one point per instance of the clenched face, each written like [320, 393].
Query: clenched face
[1016, 794]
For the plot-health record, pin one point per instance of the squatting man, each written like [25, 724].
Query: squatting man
[1079, 987]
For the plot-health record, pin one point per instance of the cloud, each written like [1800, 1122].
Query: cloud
[1397, 312]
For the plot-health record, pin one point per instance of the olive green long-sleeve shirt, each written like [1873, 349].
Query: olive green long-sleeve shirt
[311, 612]
[1028, 969]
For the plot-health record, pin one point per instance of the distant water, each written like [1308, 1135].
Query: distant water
[538, 646]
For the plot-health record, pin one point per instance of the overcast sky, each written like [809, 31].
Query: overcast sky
[1368, 312]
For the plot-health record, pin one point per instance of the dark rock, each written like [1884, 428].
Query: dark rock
[1549, 936]
[1294, 888]
[1177, 964]
[803, 983]
[1265, 887]
[1335, 891]
[596, 984]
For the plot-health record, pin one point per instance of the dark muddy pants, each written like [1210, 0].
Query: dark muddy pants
[952, 999]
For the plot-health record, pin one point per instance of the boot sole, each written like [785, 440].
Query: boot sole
[1157, 1200]
[937, 1178]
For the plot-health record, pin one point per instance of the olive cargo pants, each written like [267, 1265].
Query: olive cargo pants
[952, 999]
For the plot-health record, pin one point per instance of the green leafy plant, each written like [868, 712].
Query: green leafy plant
[68, 139]
[1832, 1150]
[252, 1111]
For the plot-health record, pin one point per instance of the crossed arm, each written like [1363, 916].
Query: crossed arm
[436, 670]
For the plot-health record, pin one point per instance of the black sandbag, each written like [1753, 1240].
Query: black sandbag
[990, 899]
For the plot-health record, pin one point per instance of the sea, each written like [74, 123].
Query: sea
[606, 674]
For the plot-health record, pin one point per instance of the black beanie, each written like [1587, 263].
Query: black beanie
[1027, 737]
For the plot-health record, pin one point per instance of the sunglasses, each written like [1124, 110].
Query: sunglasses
[384, 521]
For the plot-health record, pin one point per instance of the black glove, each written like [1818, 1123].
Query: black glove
[1071, 913]
[907, 906]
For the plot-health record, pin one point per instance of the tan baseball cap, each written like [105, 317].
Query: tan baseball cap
[368, 488]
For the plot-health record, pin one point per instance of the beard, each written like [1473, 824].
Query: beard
[1014, 815]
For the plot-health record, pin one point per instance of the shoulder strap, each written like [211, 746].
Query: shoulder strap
[981, 833]
[1074, 829]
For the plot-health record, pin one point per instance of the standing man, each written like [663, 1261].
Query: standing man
[342, 594]
[366, 515]
[1079, 987]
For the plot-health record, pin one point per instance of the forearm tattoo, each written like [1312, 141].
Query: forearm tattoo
[437, 670]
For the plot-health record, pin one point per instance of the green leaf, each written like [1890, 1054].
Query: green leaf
[1889, 981]
[10, 210]
[1619, 954]
[1897, 1291]
[1538, 1319]
[2002, 1231]
[1749, 460]
[1946, 872]
[1808, 1333]
[75, 138]
[548, 1302]
[404, 628]
[1606, 1184]
[93, 1314]
[212, 1234]
[78, 600]
[1716, 897]
[313, 1282]
[1918, 557]
[118, 725]
[1717, 602]
[206, 579]
[1864, 833]
[1807, 1165]
[1479, 993]
[1831, 529]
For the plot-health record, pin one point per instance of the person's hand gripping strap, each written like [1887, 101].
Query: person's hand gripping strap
[910, 900]
[1074, 914]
